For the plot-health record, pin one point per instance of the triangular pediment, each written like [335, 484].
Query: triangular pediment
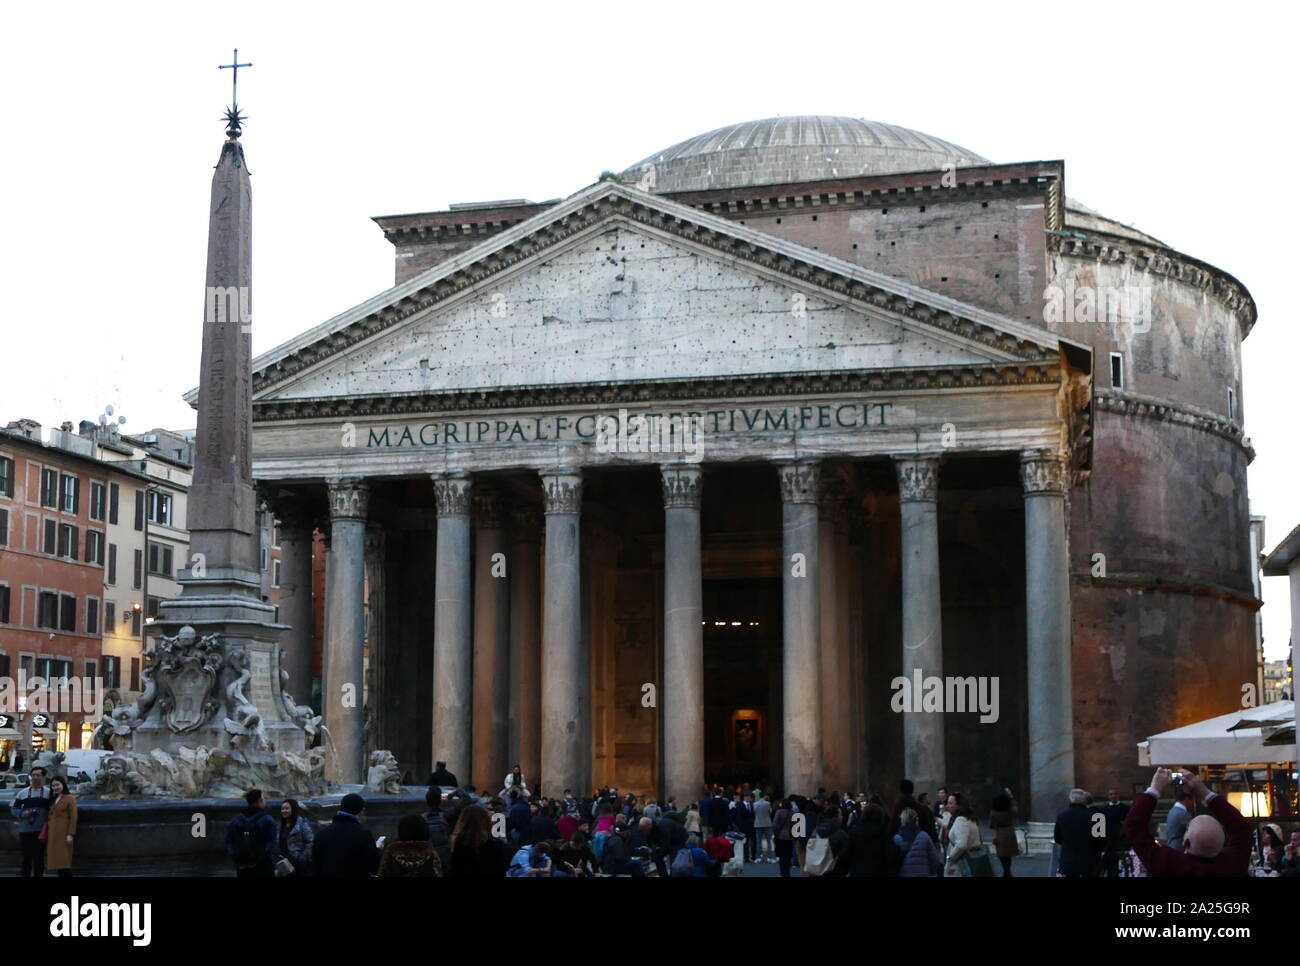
[616, 285]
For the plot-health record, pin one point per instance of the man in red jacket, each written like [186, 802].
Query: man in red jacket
[1216, 844]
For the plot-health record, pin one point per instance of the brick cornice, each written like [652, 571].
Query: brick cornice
[1103, 247]
[1149, 407]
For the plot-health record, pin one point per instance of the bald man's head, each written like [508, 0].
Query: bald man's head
[1204, 837]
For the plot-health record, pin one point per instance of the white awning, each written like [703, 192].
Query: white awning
[1249, 736]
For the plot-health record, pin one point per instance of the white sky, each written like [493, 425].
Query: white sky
[1179, 119]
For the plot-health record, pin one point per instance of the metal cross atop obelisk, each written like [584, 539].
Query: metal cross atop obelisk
[232, 113]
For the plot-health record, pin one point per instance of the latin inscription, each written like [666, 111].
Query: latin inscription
[818, 417]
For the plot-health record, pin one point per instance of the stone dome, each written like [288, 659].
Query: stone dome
[779, 150]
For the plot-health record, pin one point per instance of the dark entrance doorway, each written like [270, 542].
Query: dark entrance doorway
[742, 681]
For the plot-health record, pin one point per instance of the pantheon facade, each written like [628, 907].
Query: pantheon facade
[722, 468]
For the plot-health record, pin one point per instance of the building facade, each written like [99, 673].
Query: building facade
[810, 451]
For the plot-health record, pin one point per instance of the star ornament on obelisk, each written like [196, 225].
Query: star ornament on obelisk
[233, 118]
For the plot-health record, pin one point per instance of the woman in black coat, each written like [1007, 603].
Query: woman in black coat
[475, 852]
[871, 849]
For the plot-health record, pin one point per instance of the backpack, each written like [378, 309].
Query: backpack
[683, 864]
[247, 849]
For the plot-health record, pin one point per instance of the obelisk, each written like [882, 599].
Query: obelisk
[221, 587]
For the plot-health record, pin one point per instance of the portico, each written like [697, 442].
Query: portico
[642, 517]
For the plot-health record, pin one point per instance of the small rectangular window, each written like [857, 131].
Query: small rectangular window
[92, 616]
[137, 569]
[4, 528]
[112, 671]
[139, 509]
[135, 674]
[1116, 370]
[47, 613]
[51, 537]
[67, 612]
[96, 501]
[135, 623]
[6, 476]
[4, 605]
[151, 607]
[114, 494]
[1232, 403]
[95, 547]
[70, 488]
[160, 508]
[112, 563]
[110, 617]
[49, 488]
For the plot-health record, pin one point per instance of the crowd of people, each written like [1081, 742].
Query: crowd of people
[516, 833]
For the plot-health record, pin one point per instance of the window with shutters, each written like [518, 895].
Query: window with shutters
[95, 547]
[92, 616]
[137, 568]
[70, 488]
[67, 612]
[4, 608]
[110, 617]
[47, 609]
[68, 541]
[96, 501]
[135, 623]
[160, 559]
[112, 671]
[111, 577]
[49, 488]
[114, 493]
[135, 674]
[4, 528]
[160, 508]
[139, 509]
[6, 476]
[151, 607]
[51, 537]
[4, 665]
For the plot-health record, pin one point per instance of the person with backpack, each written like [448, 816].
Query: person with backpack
[691, 861]
[252, 838]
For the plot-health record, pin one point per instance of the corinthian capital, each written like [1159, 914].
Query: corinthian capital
[918, 480]
[349, 498]
[1042, 471]
[562, 490]
[451, 494]
[799, 480]
[683, 484]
